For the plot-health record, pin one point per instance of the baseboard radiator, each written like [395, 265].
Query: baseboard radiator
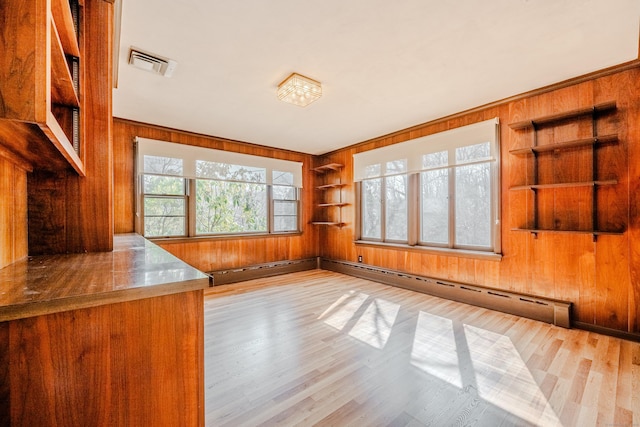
[533, 307]
[233, 275]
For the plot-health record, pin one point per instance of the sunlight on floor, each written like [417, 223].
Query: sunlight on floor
[441, 346]
[343, 309]
[434, 348]
[375, 324]
[503, 378]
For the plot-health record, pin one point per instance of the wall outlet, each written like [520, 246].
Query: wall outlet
[359, 258]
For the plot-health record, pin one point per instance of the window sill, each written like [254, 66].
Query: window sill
[208, 238]
[462, 253]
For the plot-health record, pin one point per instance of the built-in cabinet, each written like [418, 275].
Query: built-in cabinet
[40, 89]
[330, 186]
[584, 166]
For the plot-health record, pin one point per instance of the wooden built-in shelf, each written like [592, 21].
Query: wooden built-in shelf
[328, 205]
[39, 120]
[328, 167]
[329, 186]
[573, 114]
[64, 23]
[594, 232]
[62, 90]
[585, 142]
[591, 146]
[564, 185]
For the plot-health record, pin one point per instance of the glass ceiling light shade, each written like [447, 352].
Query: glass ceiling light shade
[299, 90]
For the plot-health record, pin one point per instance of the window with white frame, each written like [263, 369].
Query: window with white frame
[436, 191]
[193, 191]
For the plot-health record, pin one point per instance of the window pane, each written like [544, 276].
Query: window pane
[396, 208]
[164, 226]
[285, 216]
[229, 172]
[282, 178]
[435, 206]
[285, 208]
[164, 216]
[162, 165]
[371, 208]
[169, 185]
[473, 205]
[285, 223]
[164, 206]
[230, 207]
[473, 152]
[281, 192]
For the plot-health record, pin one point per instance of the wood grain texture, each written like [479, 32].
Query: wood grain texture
[13, 213]
[82, 220]
[132, 363]
[321, 348]
[215, 253]
[135, 269]
[600, 278]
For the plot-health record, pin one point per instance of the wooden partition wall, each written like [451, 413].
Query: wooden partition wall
[602, 277]
[213, 253]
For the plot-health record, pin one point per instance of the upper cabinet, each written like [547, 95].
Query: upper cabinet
[40, 83]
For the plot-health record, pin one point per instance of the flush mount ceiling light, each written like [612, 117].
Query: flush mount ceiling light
[299, 90]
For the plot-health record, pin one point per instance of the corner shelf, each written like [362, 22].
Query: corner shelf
[592, 143]
[330, 187]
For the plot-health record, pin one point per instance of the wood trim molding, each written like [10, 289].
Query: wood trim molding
[534, 307]
[220, 140]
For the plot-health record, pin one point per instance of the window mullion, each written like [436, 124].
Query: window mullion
[270, 209]
[191, 207]
[383, 209]
[452, 202]
[413, 209]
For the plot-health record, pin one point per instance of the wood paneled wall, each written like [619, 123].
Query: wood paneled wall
[137, 363]
[601, 278]
[13, 212]
[211, 254]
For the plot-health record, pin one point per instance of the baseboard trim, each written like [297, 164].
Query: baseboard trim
[546, 310]
[258, 271]
[630, 336]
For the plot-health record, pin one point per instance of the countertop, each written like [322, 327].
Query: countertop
[135, 269]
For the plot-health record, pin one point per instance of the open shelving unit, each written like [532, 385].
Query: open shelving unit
[42, 117]
[592, 143]
[331, 188]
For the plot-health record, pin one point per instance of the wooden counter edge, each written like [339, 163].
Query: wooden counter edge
[38, 308]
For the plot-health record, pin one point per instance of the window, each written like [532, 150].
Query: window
[193, 191]
[285, 202]
[165, 207]
[436, 191]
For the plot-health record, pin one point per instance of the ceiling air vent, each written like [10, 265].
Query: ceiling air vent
[151, 62]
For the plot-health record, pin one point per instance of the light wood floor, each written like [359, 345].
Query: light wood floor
[321, 348]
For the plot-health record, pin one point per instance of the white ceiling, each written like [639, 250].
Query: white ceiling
[384, 65]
